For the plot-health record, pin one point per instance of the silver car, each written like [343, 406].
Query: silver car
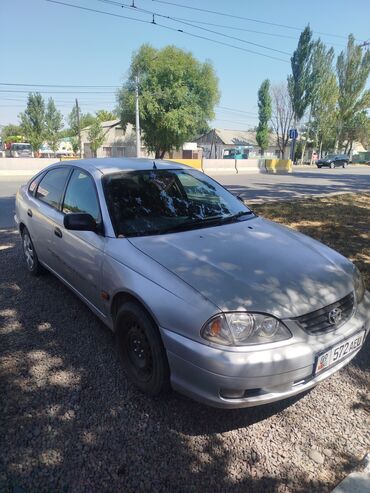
[203, 295]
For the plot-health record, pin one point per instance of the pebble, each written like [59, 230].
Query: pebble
[328, 452]
[316, 456]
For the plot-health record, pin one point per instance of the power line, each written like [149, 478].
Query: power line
[234, 28]
[175, 19]
[135, 19]
[53, 85]
[59, 92]
[237, 110]
[225, 14]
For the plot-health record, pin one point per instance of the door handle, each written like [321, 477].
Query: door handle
[58, 232]
[29, 213]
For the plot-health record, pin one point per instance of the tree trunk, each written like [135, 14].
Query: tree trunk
[157, 154]
[320, 149]
[307, 134]
[161, 156]
[350, 149]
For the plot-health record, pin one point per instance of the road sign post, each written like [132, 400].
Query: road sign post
[293, 134]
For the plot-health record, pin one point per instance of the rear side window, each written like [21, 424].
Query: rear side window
[81, 196]
[51, 187]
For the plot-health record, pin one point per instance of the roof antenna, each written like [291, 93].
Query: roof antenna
[154, 165]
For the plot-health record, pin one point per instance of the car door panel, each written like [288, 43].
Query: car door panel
[78, 257]
[78, 254]
[41, 212]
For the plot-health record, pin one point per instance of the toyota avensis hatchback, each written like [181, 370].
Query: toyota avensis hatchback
[202, 294]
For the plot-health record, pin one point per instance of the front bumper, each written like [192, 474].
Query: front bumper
[264, 374]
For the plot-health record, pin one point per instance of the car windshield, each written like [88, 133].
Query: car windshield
[21, 147]
[155, 201]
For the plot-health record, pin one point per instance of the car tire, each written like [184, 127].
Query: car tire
[318, 166]
[345, 164]
[32, 261]
[331, 165]
[141, 349]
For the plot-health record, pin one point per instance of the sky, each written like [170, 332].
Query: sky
[46, 43]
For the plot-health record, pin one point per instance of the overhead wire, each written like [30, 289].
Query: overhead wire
[153, 22]
[175, 19]
[226, 14]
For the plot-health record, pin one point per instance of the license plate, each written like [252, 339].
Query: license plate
[339, 352]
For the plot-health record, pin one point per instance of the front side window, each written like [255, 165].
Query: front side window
[81, 196]
[51, 186]
[162, 201]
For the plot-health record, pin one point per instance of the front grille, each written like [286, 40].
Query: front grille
[318, 321]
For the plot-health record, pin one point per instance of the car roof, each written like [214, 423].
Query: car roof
[115, 165]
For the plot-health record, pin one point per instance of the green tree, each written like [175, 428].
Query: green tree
[86, 119]
[53, 125]
[10, 131]
[95, 135]
[105, 116]
[177, 97]
[356, 129]
[75, 144]
[324, 97]
[33, 120]
[353, 68]
[264, 115]
[299, 81]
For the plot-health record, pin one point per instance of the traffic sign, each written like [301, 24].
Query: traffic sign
[293, 133]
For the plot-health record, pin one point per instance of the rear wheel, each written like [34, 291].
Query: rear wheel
[141, 349]
[345, 164]
[30, 255]
[332, 165]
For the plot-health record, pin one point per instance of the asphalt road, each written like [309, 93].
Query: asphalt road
[251, 187]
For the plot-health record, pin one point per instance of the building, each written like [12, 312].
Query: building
[217, 142]
[117, 141]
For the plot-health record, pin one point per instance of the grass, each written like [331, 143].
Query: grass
[341, 222]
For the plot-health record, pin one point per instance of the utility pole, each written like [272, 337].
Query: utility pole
[79, 128]
[137, 118]
[365, 43]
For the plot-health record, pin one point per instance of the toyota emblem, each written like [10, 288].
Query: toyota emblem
[335, 316]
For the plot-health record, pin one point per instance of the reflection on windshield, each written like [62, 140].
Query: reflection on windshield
[157, 201]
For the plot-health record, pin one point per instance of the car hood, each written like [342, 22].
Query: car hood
[254, 265]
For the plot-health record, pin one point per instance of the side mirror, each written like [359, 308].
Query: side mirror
[80, 222]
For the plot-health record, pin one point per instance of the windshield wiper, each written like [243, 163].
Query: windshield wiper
[199, 223]
[236, 216]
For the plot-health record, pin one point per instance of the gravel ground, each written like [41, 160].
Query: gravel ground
[70, 421]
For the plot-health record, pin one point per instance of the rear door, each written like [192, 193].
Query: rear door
[44, 201]
[79, 254]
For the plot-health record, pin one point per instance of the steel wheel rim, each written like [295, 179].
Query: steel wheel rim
[28, 251]
[139, 352]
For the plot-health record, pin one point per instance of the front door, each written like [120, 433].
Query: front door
[79, 254]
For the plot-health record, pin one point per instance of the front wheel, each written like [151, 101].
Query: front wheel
[332, 165]
[30, 255]
[345, 164]
[141, 349]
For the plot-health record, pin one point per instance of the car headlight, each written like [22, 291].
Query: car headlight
[244, 329]
[359, 285]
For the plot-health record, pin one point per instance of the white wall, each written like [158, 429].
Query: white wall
[24, 166]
